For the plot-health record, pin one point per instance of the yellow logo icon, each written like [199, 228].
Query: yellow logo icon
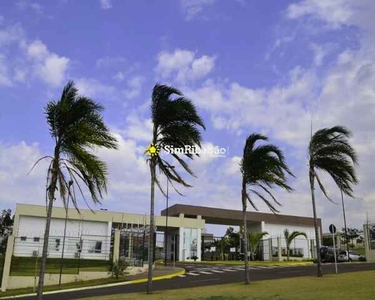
[153, 150]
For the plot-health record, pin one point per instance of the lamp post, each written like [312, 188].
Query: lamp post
[166, 221]
[346, 230]
[66, 219]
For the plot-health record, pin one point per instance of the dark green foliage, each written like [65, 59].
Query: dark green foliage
[175, 123]
[263, 167]
[331, 152]
[6, 226]
[118, 268]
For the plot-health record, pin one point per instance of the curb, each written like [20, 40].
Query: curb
[137, 281]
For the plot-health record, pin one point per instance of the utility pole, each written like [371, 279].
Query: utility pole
[346, 230]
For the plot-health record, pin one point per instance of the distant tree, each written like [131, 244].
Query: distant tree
[289, 237]
[6, 227]
[330, 151]
[233, 237]
[254, 241]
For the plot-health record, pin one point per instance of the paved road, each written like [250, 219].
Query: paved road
[203, 275]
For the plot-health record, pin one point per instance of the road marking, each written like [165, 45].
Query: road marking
[217, 271]
[229, 270]
[181, 275]
[204, 272]
[192, 274]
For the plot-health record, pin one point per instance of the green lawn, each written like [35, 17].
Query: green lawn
[25, 266]
[347, 286]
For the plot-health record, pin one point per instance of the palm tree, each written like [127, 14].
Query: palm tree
[76, 126]
[330, 151]
[289, 237]
[254, 240]
[263, 167]
[175, 125]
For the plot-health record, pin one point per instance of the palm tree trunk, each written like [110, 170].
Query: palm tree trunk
[287, 253]
[245, 239]
[152, 229]
[320, 273]
[51, 196]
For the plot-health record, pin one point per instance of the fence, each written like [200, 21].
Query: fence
[84, 247]
[219, 248]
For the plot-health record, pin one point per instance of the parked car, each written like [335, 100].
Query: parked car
[353, 256]
[327, 254]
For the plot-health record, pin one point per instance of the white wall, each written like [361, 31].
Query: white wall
[91, 232]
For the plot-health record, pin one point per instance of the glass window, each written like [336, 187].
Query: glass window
[36, 239]
[98, 247]
[23, 238]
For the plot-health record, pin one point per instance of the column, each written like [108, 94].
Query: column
[7, 262]
[279, 249]
[116, 245]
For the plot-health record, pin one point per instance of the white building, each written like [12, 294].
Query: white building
[90, 234]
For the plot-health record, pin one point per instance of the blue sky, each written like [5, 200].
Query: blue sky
[265, 66]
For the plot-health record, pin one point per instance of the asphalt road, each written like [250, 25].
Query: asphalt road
[203, 275]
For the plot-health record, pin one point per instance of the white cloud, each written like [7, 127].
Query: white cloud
[120, 76]
[134, 87]
[48, 66]
[37, 50]
[53, 69]
[106, 4]
[110, 61]
[183, 66]
[335, 13]
[11, 34]
[20, 75]
[4, 76]
[94, 88]
[194, 8]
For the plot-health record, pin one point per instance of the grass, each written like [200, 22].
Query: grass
[47, 288]
[346, 286]
[25, 266]
[257, 263]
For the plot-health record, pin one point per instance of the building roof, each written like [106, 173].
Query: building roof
[221, 216]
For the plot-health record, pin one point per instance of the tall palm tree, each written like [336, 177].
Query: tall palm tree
[175, 125]
[263, 167]
[76, 126]
[289, 237]
[254, 241]
[330, 151]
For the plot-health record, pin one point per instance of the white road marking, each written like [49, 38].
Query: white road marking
[192, 274]
[217, 271]
[229, 270]
[181, 275]
[204, 272]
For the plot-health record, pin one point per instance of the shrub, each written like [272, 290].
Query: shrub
[117, 268]
[194, 257]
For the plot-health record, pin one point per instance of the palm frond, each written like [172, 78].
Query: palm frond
[330, 151]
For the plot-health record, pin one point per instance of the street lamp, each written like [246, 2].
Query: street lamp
[66, 219]
[166, 221]
[346, 230]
